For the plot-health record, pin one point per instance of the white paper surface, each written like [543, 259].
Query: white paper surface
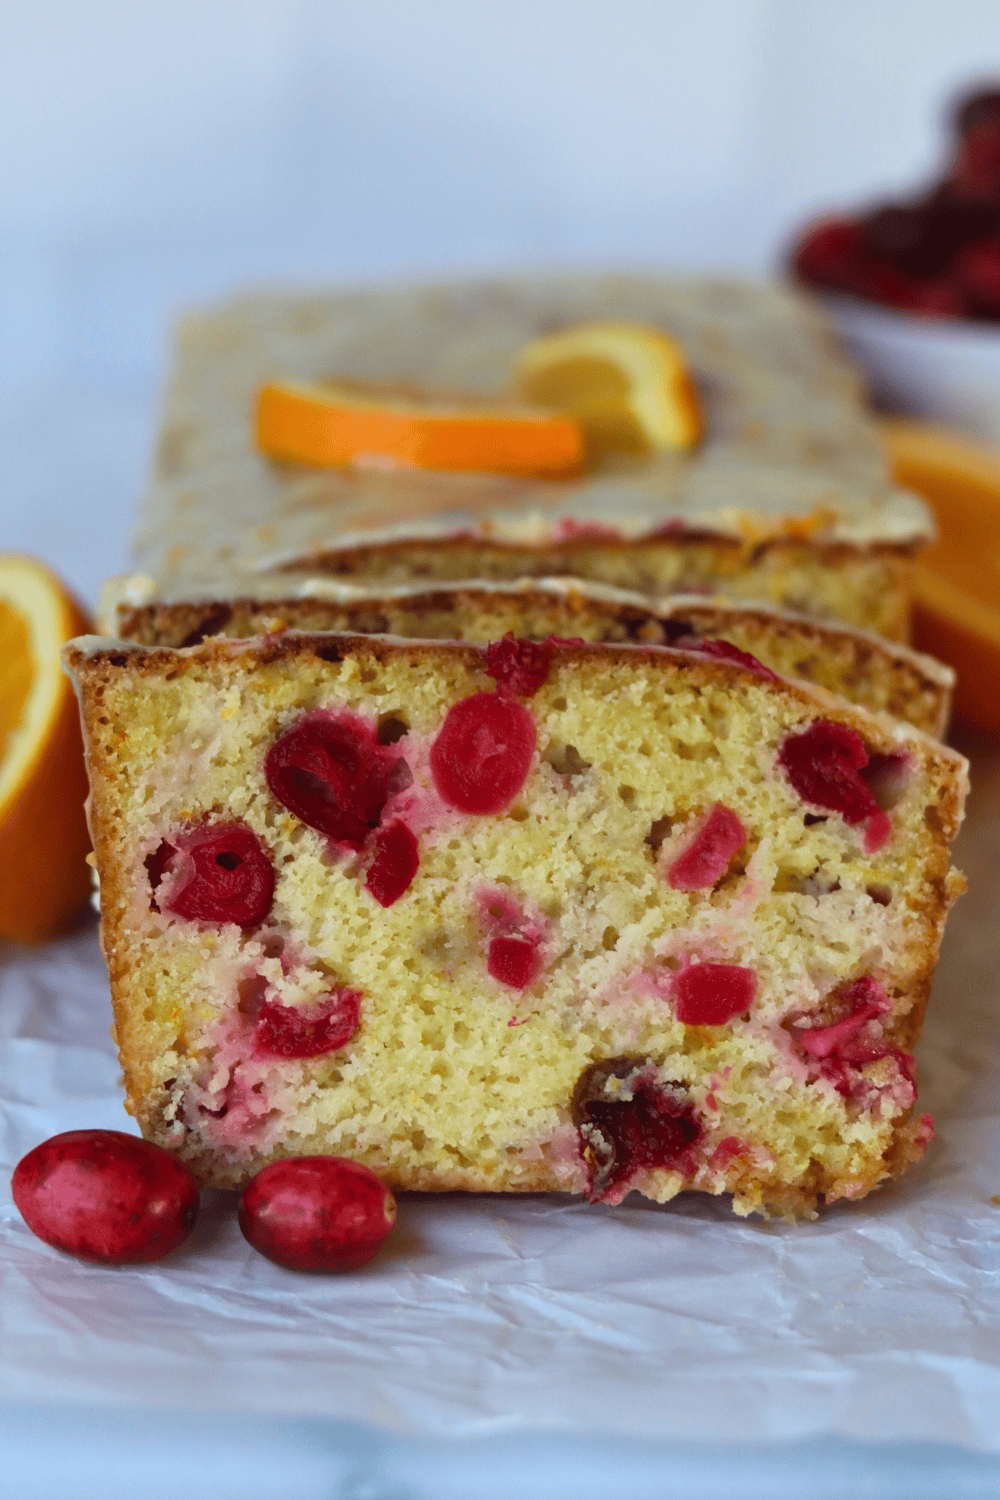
[490, 1315]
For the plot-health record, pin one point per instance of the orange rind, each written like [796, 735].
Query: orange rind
[333, 424]
[629, 386]
[44, 842]
[957, 579]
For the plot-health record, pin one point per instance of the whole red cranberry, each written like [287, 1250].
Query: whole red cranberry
[937, 298]
[317, 1213]
[978, 110]
[977, 273]
[106, 1197]
[481, 758]
[219, 872]
[974, 176]
[827, 254]
[331, 772]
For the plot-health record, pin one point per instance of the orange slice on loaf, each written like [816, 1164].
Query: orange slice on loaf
[44, 842]
[957, 579]
[628, 385]
[330, 425]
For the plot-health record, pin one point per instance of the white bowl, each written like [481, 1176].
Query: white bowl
[924, 367]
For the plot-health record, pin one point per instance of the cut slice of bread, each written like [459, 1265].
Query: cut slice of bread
[787, 498]
[880, 675]
[577, 917]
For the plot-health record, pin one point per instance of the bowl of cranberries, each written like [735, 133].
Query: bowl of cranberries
[912, 285]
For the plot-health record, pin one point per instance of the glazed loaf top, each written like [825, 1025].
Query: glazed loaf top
[788, 448]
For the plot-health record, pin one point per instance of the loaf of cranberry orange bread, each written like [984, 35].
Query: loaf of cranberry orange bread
[787, 498]
[879, 674]
[574, 917]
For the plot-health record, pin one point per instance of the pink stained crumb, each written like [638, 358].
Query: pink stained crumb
[396, 861]
[839, 1052]
[515, 935]
[705, 857]
[482, 754]
[823, 765]
[287, 1031]
[519, 668]
[712, 994]
[728, 1151]
[724, 651]
[216, 873]
[567, 529]
[331, 772]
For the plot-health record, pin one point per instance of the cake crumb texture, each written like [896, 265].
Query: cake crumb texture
[520, 1002]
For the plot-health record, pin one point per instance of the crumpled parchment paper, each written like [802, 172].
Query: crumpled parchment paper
[493, 1315]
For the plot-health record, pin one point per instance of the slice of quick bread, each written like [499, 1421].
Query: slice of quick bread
[880, 675]
[787, 498]
[562, 916]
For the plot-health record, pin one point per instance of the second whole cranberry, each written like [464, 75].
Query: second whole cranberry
[317, 1213]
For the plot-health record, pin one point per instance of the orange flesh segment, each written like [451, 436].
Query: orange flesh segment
[957, 579]
[44, 878]
[330, 426]
[629, 386]
[596, 393]
[17, 672]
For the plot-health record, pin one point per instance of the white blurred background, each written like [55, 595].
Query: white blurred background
[161, 153]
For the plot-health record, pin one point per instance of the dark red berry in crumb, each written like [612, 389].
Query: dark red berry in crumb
[518, 667]
[712, 994]
[627, 1123]
[481, 758]
[724, 651]
[823, 765]
[288, 1031]
[330, 771]
[220, 872]
[705, 859]
[396, 861]
[317, 1213]
[514, 961]
[106, 1197]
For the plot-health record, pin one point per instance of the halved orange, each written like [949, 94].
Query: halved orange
[957, 579]
[628, 385]
[333, 424]
[44, 842]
